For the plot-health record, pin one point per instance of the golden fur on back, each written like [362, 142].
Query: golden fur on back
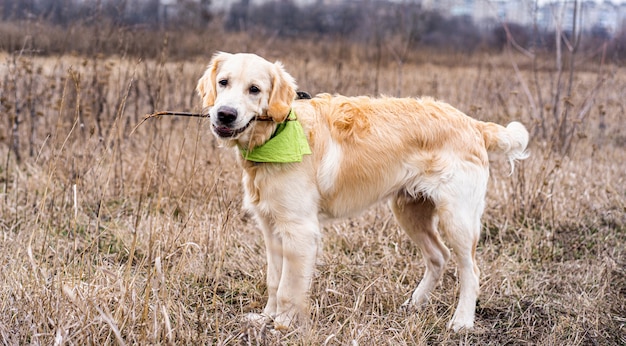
[426, 157]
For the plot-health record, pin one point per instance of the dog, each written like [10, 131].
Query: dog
[428, 159]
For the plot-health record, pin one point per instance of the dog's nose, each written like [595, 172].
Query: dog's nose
[226, 115]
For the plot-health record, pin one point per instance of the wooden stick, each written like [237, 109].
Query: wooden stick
[158, 114]
[183, 114]
[188, 114]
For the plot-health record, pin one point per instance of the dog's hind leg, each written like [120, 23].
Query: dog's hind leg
[459, 215]
[418, 218]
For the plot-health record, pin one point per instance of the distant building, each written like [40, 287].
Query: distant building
[223, 5]
[594, 15]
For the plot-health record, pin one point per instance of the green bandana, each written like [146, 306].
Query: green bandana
[288, 144]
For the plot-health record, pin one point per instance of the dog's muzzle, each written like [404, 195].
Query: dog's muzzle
[226, 117]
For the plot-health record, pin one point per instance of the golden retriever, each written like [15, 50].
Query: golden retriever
[424, 156]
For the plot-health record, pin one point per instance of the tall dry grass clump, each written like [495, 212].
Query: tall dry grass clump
[111, 238]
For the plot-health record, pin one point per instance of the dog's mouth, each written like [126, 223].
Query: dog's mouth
[228, 132]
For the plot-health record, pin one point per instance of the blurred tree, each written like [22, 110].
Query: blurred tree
[19, 9]
[237, 19]
[205, 10]
[522, 35]
[393, 27]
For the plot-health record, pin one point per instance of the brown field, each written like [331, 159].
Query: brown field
[109, 237]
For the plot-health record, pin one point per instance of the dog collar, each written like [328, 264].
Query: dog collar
[287, 144]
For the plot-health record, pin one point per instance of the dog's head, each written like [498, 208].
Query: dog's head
[237, 88]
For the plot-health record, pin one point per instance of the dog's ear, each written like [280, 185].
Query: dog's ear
[207, 83]
[282, 94]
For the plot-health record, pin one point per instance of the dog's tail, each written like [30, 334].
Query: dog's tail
[511, 140]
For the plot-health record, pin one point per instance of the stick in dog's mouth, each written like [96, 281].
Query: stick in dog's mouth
[158, 114]
[189, 114]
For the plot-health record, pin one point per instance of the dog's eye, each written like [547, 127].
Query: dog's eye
[223, 82]
[254, 90]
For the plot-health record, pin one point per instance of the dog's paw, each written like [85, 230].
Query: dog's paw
[406, 306]
[258, 329]
[411, 306]
[273, 324]
[291, 321]
[258, 319]
[283, 321]
[457, 325]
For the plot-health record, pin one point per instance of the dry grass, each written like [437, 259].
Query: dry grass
[111, 238]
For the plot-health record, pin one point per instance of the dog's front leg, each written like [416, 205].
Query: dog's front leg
[299, 250]
[274, 252]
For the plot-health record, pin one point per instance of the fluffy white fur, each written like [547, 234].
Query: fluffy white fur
[424, 156]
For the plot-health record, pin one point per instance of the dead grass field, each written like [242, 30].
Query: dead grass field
[113, 238]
